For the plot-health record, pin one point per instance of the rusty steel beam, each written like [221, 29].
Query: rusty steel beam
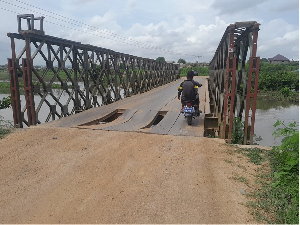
[28, 89]
[63, 77]
[14, 89]
[233, 90]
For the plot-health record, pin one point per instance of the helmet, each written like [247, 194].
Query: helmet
[190, 74]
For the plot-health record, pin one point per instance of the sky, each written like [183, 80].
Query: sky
[173, 29]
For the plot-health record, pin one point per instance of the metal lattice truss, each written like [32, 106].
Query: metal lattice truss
[233, 81]
[63, 77]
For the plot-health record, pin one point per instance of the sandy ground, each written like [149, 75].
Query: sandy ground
[71, 175]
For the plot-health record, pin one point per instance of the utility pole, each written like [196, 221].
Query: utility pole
[198, 56]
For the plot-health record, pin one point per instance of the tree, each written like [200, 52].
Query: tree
[161, 59]
[264, 60]
[181, 61]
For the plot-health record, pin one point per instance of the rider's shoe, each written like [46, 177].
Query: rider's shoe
[198, 112]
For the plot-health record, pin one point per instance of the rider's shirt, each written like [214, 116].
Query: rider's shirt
[189, 89]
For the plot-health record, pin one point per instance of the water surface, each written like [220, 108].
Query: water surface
[267, 113]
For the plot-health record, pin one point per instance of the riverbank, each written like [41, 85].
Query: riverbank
[5, 87]
[292, 96]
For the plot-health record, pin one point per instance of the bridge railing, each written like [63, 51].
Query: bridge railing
[59, 77]
[233, 80]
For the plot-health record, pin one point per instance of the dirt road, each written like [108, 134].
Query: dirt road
[71, 175]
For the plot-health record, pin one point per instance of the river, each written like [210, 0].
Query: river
[267, 113]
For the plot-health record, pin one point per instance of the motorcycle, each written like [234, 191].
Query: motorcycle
[189, 112]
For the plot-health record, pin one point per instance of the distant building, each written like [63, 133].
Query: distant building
[279, 59]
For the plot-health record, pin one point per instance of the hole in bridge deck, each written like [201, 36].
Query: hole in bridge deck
[106, 119]
[113, 117]
[159, 116]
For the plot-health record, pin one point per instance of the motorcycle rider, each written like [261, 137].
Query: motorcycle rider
[189, 90]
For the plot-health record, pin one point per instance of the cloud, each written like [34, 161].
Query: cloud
[233, 6]
[131, 4]
[278, 37]
[184, 37]
[284, 6]
[190, 27]
[190, 7]
[82, 1]
[108, 21]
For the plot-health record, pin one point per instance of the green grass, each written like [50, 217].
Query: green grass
[256, 155]
[5, 127]
[4, 75]
[228, 161]
[271, 202]
[4, 132]
[240, 179]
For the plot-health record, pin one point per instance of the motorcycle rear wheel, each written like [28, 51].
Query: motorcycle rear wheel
[189, 120]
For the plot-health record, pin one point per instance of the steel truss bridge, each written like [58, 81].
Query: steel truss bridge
[63, 77]
[233, 86]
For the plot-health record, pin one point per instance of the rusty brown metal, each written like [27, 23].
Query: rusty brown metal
[30, 19]
[28, 89]
[63, 77]
[229, 87]
[15, 94]
[233, 90]
[14, 87]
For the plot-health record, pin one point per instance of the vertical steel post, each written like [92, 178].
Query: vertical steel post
[229, 90]
[86, 80]
[116, 71]
[252, 87]
[232, 94]
[28, 90]
[27, 65]
[75, 84]
[14, 88]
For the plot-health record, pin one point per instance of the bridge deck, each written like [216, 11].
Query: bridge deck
[138, 112]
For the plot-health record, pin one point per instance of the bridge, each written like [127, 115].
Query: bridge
[85, 86]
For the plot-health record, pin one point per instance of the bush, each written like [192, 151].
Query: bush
[237, 136]
[274, 77]
[202, 71]
[285, 167]
[5, 127]
[277, 199]
[5, 103]
[285, 96]
[286, 92]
